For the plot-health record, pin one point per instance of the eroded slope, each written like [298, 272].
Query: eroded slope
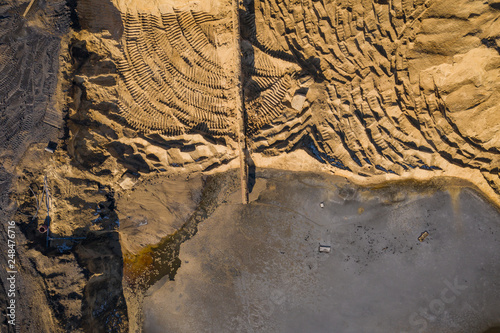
[370, 89]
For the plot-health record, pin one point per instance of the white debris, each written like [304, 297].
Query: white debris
[325, 248]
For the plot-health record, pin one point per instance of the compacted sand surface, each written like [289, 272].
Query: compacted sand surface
[257, 268]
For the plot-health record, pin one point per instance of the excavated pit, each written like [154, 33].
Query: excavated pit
[154, 105]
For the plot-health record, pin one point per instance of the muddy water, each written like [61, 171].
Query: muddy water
[257, 267]
[161, 260]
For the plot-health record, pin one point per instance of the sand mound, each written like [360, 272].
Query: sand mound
[371, 90]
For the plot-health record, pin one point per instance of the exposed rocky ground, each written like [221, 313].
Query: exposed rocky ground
[152, 102]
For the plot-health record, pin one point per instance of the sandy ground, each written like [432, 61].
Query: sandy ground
[257, 268]
[139, 95]
[155, 209]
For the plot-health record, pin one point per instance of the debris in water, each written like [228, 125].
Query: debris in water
[423, 236]
[325, 248]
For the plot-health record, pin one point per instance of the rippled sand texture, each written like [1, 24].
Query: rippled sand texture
[377, 90]
[397, 86]
[29, 64]
[174, 79]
